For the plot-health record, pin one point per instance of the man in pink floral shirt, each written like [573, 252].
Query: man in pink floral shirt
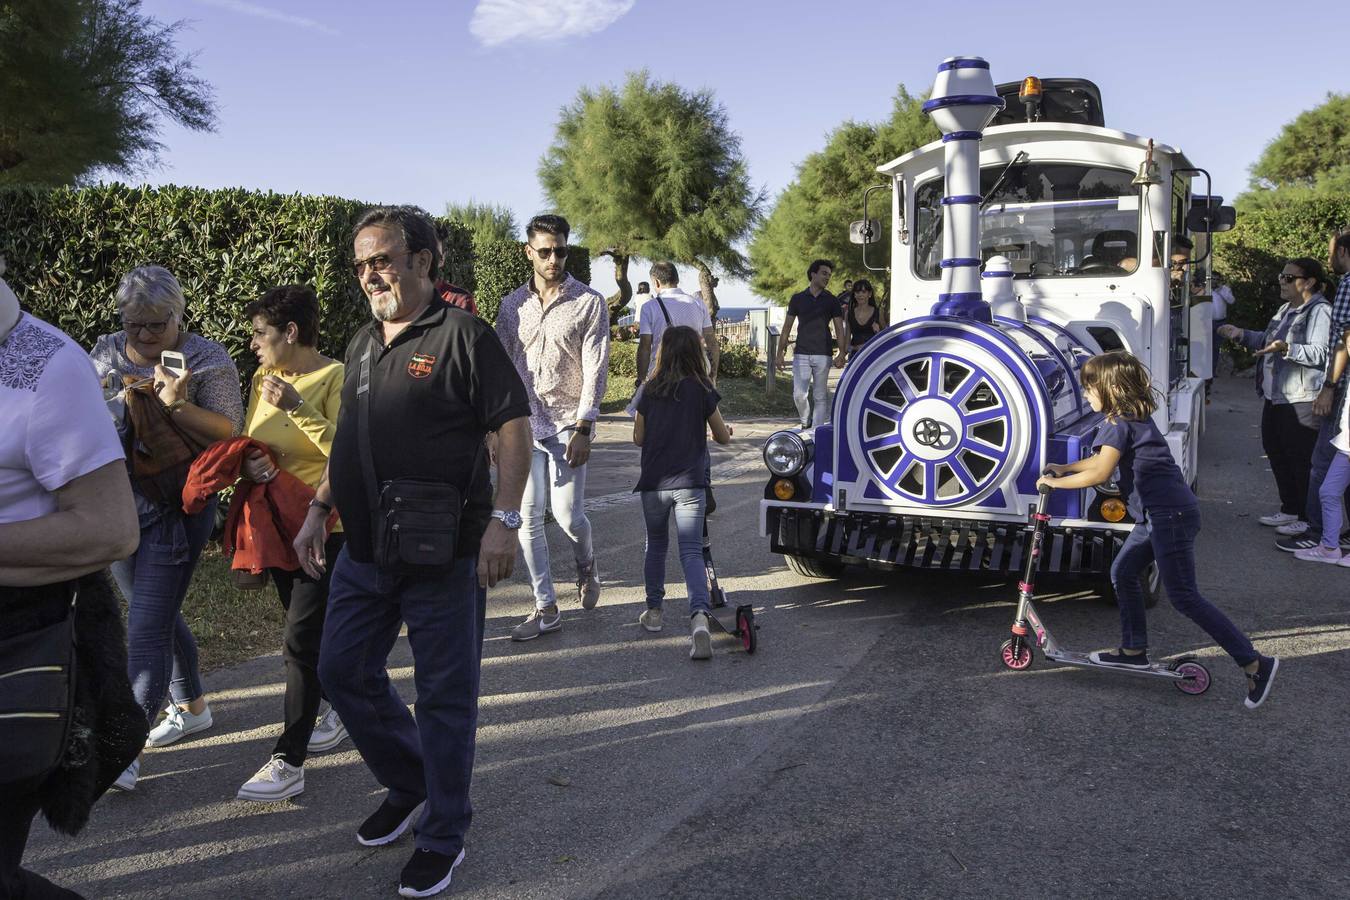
[556, 331]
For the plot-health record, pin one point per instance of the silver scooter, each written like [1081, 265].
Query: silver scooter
[1187, 674]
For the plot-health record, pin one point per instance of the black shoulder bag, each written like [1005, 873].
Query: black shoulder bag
[37, 686]
[414, 521]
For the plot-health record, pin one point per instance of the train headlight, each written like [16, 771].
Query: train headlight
[785, 453]
[1113, 510]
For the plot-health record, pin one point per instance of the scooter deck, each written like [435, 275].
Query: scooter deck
[1074, 658]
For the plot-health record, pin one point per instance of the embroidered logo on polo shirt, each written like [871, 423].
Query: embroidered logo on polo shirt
[420, 365]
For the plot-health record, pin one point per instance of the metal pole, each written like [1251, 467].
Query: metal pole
[770, 369]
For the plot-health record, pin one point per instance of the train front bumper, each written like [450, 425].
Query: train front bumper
[932, 542]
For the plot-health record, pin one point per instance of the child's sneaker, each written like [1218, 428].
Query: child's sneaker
[1277, 519]
[650, 619]
[1119, 658]
[1320, 554]
[700, 639]
[1261, 680]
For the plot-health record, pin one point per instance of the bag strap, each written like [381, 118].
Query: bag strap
[363, 430]
[661, 303]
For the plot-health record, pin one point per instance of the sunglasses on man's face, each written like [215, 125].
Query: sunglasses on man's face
[550, 252]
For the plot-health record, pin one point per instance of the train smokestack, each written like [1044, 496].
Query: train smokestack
[963, 103]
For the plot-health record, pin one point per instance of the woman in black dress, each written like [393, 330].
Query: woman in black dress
[864, 318]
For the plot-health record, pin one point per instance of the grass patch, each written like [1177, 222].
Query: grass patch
[230, 625]
[742, 398]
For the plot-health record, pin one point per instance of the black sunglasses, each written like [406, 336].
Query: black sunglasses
[1285, 278]
[549, 252]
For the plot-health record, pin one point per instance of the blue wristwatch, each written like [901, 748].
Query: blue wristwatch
[509, 518]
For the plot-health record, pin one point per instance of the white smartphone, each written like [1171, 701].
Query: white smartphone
[174, 361]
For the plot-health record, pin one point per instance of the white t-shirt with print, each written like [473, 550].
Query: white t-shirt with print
[54, 424]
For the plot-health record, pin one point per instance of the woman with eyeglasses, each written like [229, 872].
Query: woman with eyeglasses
[204, 401]
[1293, 351]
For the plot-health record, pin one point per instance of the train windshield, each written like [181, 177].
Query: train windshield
[1050, 219]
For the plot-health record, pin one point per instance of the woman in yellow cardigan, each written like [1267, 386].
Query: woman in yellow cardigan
[293, 409]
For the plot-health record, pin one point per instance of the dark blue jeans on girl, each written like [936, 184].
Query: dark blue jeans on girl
[1168, 537]
[161, 652]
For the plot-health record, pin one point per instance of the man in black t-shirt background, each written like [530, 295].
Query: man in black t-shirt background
[816, 309]
[437, 381]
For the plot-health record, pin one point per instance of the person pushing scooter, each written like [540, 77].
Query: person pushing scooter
[1118, 385]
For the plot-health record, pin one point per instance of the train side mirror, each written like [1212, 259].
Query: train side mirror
[865, 231]
[1210, 219]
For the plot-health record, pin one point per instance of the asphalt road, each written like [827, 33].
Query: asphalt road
[873, 747]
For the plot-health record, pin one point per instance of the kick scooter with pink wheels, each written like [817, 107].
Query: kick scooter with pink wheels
[1028, 630]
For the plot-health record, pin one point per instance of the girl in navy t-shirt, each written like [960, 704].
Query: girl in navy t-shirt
[678, 406]
[1118, 385]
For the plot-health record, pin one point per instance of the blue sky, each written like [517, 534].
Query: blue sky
[425, 102]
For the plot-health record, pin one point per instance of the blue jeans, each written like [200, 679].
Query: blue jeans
[161, 652]
[1168, 536]
[1322, 455]
[553, 483]
[688, 506]
[431, 758]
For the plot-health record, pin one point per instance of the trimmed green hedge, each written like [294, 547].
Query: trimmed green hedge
[67, 249]
[1255, 251]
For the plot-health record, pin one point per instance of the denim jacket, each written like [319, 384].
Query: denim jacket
[1299, 373]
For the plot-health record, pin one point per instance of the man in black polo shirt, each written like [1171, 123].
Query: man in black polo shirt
[438, 382]
[815, 309]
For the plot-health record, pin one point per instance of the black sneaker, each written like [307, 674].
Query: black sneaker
[1303, 541]
[1119, 658]
[427, 873]
[1261, 681]
[385, 824]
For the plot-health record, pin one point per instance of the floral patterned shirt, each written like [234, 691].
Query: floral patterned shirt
[561, 352]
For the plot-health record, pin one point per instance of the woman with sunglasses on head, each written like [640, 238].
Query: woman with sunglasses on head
[204, 402]
[1293, 351]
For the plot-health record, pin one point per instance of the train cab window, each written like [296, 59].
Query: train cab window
[1050, 219]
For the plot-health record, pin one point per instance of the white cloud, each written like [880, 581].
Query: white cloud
[497, 22]
[273, 15]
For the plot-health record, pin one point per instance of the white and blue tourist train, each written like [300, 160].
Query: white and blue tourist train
[1027, 239]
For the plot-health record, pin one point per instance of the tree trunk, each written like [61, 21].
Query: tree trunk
[705, 285]
[618, 302]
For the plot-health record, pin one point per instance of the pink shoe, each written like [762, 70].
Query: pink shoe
[1320, 554]
[1344, 561]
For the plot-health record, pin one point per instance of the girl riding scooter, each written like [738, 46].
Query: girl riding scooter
[1118, 385]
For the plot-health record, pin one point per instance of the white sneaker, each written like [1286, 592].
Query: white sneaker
[1279, 518]
[328, 731]
[700, 640]
[127, 780]
[1293, 529]
[650, 619]
[1320, 554]
[178, 724]
[277, 780]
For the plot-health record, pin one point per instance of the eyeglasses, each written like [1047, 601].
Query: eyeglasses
[138, 327]
[1286, 278]
[380, 263]
[550, 252]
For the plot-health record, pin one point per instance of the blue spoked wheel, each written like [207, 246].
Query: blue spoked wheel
[936, 429]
